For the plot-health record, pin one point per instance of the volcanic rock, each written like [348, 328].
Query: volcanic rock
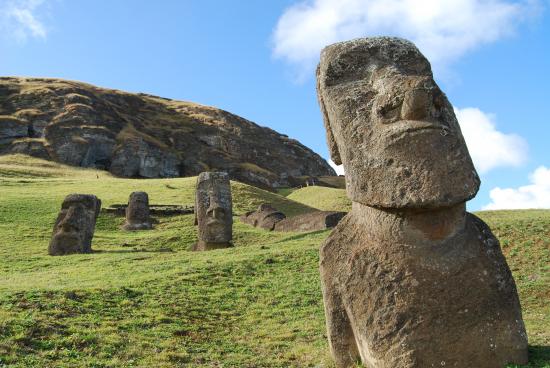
[311, 221]
[409, 278]
[139, 135]
[137, 212]
[213, 211]
[265, 217]
[74, 228]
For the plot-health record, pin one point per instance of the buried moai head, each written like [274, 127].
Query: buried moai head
[391, 126]
[213, 210]
[137, 212]
[74, 228]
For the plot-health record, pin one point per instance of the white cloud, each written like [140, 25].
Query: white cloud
[534, 195]
[489, 147]
[443, 29]
[19, 19]
[338, 168]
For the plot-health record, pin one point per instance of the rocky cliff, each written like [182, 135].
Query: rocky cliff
[139, 135]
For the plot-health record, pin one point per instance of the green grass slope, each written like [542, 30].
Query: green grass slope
[322, 198]
[143, 300]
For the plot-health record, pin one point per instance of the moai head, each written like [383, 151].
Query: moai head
[74, 228]
[391, 126]
[137, 212]
[213, 210]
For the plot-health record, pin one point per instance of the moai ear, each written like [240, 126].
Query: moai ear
[332, 146]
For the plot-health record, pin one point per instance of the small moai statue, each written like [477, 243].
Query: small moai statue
[137, 212]
[409, 278]
[74, 228]
[213, 211]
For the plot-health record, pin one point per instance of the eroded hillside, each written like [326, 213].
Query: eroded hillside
[138, 135]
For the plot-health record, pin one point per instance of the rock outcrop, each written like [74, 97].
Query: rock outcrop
[312, 221]
[265, 217]
[213, 211]
[75, 225]
[269, 218]
[409, 278]
[139, 135]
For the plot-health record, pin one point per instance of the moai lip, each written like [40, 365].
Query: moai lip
[409, 278]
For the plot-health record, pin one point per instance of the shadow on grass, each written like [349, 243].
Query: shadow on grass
[301, 236]
[539, 357]
[126, 251]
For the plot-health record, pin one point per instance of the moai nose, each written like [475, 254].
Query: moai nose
[416, 104]
[216, 212]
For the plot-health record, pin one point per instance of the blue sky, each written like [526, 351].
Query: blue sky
[256, 59]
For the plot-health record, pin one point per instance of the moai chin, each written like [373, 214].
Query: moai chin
[74, 228]
[213, 211]
[137, 212]
[409, 278]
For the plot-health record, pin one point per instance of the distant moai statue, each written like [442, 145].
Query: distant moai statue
[137, 212]
[409, 278]
[213, 211]
[74, 228]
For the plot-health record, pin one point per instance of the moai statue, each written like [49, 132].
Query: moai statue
[74, 228]
[213, 211]
[409, 278]
[137, 212]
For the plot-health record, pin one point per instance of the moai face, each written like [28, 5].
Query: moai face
[137, 212]
[213, 208]
[391, 126]
[74, 228]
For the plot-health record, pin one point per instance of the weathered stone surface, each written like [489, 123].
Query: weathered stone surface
[137, 213]
[138, 135]
[74, 228]
[312, 221]
[409, 278]
[383, 97]
[213, 211]
[12, 128]
[264, 217]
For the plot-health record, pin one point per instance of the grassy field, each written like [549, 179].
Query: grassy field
[143, 300]
[323, 198]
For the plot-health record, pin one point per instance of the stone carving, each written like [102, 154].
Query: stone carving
[213, 211]
[409, 278]
[137, 212]
[265, 217]
[74, 228]
[311, 221]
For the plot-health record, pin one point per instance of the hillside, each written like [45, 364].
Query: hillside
[142, 299]
[139, 135]
[322, 198]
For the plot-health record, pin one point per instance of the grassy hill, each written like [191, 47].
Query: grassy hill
[323, 198]
[143, 300]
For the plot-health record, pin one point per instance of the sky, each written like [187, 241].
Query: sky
[257, 59]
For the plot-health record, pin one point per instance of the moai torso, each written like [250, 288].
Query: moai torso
[137, 212]
[409, 278]
[74, 228]
[213, 211]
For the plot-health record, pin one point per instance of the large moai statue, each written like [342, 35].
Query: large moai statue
[137, 212]
[409, 278]
[74, 228]
[213, 211]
